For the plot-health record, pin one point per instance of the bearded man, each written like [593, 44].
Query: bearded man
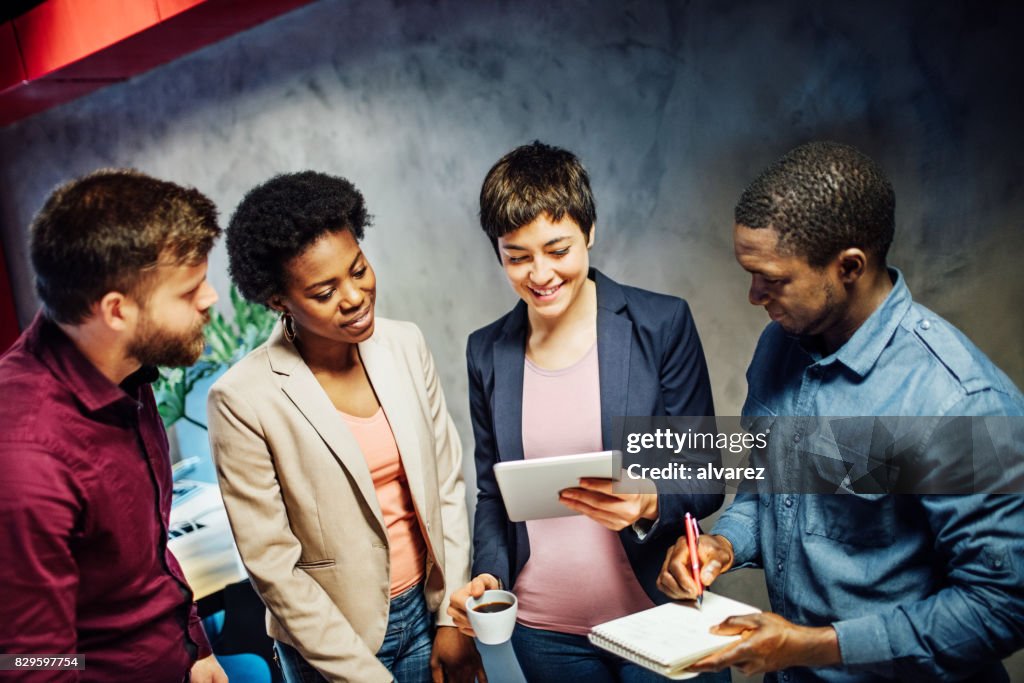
[120, 265]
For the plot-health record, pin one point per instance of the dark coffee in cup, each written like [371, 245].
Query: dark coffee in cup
[493, 616]
[489, 607]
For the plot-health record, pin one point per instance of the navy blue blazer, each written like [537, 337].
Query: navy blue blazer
[650, 363]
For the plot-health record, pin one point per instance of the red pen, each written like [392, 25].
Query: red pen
[692, 532]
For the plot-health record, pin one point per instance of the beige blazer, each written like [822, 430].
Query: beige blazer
[302, 504]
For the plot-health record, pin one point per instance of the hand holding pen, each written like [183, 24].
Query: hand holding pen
[692, 534]
[684, 574]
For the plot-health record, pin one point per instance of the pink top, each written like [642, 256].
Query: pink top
[561, 416]
[406, 547]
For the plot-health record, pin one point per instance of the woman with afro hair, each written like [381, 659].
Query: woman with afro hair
[340, 467]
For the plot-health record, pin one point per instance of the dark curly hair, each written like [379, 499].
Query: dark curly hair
[279, 219]
[822, 197]
[531, 180]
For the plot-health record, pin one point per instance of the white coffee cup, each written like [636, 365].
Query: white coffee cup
[494, 625]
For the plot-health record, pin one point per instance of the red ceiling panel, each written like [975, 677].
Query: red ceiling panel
[60, 32]
[168, 8]
[12, 73]
[70, 48]
[24, 101]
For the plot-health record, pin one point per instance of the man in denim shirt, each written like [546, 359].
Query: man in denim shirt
[864, 586]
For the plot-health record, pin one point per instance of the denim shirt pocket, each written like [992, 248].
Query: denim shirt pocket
[867, 520]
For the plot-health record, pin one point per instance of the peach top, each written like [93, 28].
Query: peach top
[406, 547]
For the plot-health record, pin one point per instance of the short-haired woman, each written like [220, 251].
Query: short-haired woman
[546, 380]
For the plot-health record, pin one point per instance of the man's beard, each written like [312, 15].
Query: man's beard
[153, 345]
[818, 324]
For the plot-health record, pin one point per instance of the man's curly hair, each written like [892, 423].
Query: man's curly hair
[280, 219]
[821, 198]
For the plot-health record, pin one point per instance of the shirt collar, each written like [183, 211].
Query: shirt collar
[863, 349]
[71, 368]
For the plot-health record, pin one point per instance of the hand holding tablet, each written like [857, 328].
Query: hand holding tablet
[530, 488]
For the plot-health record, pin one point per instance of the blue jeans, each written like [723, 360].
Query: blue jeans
[551, 656]
[405, 651]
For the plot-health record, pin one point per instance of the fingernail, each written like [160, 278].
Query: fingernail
[710, 570]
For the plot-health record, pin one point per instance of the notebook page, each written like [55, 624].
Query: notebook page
[674, 633]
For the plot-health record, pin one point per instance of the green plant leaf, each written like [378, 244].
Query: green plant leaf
[169, 391]
[226, 344]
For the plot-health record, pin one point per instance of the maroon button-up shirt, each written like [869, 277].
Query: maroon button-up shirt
[85, 494]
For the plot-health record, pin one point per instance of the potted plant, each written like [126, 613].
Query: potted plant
[181, 392]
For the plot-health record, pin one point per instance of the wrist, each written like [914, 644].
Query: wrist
[822, 647]
[726, 546]
[649, 509]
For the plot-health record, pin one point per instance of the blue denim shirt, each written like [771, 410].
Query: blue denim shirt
[918, 587]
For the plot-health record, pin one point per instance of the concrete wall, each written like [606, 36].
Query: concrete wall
[674, 108]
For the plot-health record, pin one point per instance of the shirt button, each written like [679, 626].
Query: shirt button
[998, 564]
[925, 325]
[789, 502]
[779, 566]
[796, 438]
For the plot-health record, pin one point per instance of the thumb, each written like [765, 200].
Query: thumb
[710, 572]
[436, 671]
[736, 625]
[484, 582]
[714, 558]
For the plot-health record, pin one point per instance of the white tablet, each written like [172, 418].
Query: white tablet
[530, 488]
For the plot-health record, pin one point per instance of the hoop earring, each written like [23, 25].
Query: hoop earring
[289, 326]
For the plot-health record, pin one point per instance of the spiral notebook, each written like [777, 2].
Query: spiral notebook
[668, 638]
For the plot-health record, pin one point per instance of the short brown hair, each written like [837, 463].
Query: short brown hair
[107, 231]
[532, 180]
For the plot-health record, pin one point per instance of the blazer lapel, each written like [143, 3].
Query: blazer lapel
[399, 406]
[303, 389]
[614, 341]
[509, 363]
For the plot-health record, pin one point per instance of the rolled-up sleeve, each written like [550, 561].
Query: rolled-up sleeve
[740, 524]
[978, 616]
